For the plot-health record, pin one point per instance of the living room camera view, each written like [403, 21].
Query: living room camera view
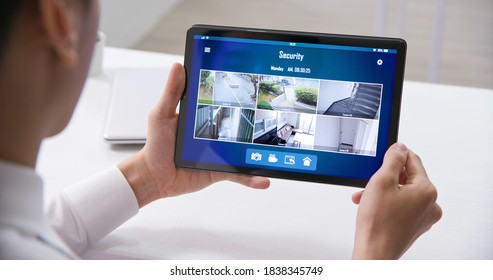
[285, 129]
[332, 116]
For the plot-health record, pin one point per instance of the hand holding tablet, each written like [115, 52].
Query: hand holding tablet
[292, 105]
[400, 193]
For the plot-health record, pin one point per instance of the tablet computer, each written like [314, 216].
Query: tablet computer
[293, 105]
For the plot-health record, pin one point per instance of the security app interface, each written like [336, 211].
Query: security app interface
[291, 106]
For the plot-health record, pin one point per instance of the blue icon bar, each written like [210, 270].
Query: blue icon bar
[281, 159]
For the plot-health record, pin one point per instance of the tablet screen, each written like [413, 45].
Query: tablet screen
[293, 105]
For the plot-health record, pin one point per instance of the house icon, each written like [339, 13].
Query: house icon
[307, 161]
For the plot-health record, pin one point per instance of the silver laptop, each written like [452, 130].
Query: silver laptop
[134, 93]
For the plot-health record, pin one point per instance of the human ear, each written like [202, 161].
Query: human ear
[58, 23]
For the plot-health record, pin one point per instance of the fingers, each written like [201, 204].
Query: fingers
[255, 182]
[259, 182]
[438, 213]
[433, 217]
[166, 106]
[357, 197]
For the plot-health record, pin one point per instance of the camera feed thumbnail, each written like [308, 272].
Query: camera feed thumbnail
[228, 89]
[224, 123]
[346, 135]
[287, 94]
[349, 99]
[279, 128]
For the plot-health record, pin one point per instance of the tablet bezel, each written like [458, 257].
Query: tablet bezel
[291, 36]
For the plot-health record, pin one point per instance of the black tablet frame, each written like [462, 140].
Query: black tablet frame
[291, 36]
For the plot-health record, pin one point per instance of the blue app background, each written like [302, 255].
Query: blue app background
[325, 64]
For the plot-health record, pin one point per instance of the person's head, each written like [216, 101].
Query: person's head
[45, 53]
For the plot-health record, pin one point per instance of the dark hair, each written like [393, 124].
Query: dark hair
[8, 12]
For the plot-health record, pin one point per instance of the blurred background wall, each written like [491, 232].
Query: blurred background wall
[127, 22]
[449, 41]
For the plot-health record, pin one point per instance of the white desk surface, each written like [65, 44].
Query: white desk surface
[450, 127]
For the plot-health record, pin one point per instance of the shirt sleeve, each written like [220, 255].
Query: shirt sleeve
[84, 213]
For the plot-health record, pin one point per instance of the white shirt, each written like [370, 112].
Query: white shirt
[78, 217]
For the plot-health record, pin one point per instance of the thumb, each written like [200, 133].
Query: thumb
[166, 106]
[414, 167]
[394, 161]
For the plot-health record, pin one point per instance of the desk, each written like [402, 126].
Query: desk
[450, 127]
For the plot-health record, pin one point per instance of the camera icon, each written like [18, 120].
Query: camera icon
[256, 156]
